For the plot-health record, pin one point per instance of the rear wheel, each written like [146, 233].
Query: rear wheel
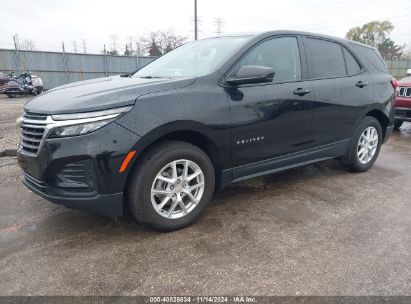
[365, 145]
[398, 124]
[171, 185]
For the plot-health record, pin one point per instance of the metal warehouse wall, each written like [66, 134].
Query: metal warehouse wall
[60, 68]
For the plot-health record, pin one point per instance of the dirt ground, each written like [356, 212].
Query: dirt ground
[10, 110]
[316, 230]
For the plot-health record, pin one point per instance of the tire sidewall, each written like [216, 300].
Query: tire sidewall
[141, 201]
[367, 122]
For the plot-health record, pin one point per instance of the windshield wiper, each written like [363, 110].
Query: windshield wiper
[150, 77]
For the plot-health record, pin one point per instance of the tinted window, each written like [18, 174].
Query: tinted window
[352, 65]
[281, 54]
[326, 58]
[372, 57]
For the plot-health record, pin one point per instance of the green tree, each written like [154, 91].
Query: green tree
[389, 49]
[375, 33]
[372, 33]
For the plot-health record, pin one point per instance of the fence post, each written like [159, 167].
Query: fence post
[65, 63]
[105, 61]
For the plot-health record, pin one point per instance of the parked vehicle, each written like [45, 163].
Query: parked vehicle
[403, 101]
[209, 113]
[24, 84]
[3, 79]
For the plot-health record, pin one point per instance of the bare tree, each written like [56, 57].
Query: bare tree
[84, 45]
[140, 48]
[170, 40]
[27, 45]
[74, 46]
[160, 42]
[113, 46]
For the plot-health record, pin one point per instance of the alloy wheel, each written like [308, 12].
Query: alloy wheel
[367, 145]
[177, 188]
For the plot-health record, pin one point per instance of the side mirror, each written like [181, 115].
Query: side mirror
[409, 72]
[252, 74]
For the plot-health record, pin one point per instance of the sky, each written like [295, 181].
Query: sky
[49, 22]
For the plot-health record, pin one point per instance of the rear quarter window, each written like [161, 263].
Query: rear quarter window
[372, 56]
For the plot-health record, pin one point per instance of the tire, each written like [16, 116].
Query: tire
[144, 179]
[352, 160]
[398, 124]
[12, 95]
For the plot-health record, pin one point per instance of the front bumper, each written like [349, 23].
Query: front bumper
[81, 172]
[403, 114]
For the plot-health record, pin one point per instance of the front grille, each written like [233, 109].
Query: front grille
[404, 92]
[33, 126]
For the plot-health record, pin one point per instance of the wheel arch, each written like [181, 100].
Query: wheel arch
[382, 119]
[187, 131]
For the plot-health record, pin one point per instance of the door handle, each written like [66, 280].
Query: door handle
[301, 91]
[361, 84]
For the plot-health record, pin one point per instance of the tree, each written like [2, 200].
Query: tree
[169, 41]
[375, 33]
[372, 33]
[389, 50]
[161, 42]
[127, 51]
[27, 45]
[113, 46]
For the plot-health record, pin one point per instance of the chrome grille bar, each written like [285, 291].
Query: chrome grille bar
[404, 92]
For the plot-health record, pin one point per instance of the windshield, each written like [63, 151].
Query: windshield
[193, 59]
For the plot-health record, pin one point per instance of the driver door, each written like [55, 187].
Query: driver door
[271, 121]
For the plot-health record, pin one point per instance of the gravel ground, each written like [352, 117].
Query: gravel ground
[10, 110]
[316, 230]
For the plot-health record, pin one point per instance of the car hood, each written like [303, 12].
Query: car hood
[100, 94]
[405, 81]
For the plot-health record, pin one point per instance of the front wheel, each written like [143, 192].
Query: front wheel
[171, 185]
[12, 95]
[365, 145]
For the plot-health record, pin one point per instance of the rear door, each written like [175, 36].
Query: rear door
[342, 88]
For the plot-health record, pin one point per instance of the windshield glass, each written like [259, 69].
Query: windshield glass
[193, 59]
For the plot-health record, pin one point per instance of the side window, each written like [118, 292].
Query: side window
[372, 56]
[326, 58]
[281, 54]
[352, 65]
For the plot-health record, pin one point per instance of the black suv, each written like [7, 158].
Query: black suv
[209, 113]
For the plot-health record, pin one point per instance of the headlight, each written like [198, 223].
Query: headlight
[83, 123]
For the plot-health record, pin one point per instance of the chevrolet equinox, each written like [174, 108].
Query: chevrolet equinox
[211, 112]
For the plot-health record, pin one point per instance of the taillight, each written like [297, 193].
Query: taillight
[394, 84]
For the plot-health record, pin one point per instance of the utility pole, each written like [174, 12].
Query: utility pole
[195, 20]
[219, 23]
